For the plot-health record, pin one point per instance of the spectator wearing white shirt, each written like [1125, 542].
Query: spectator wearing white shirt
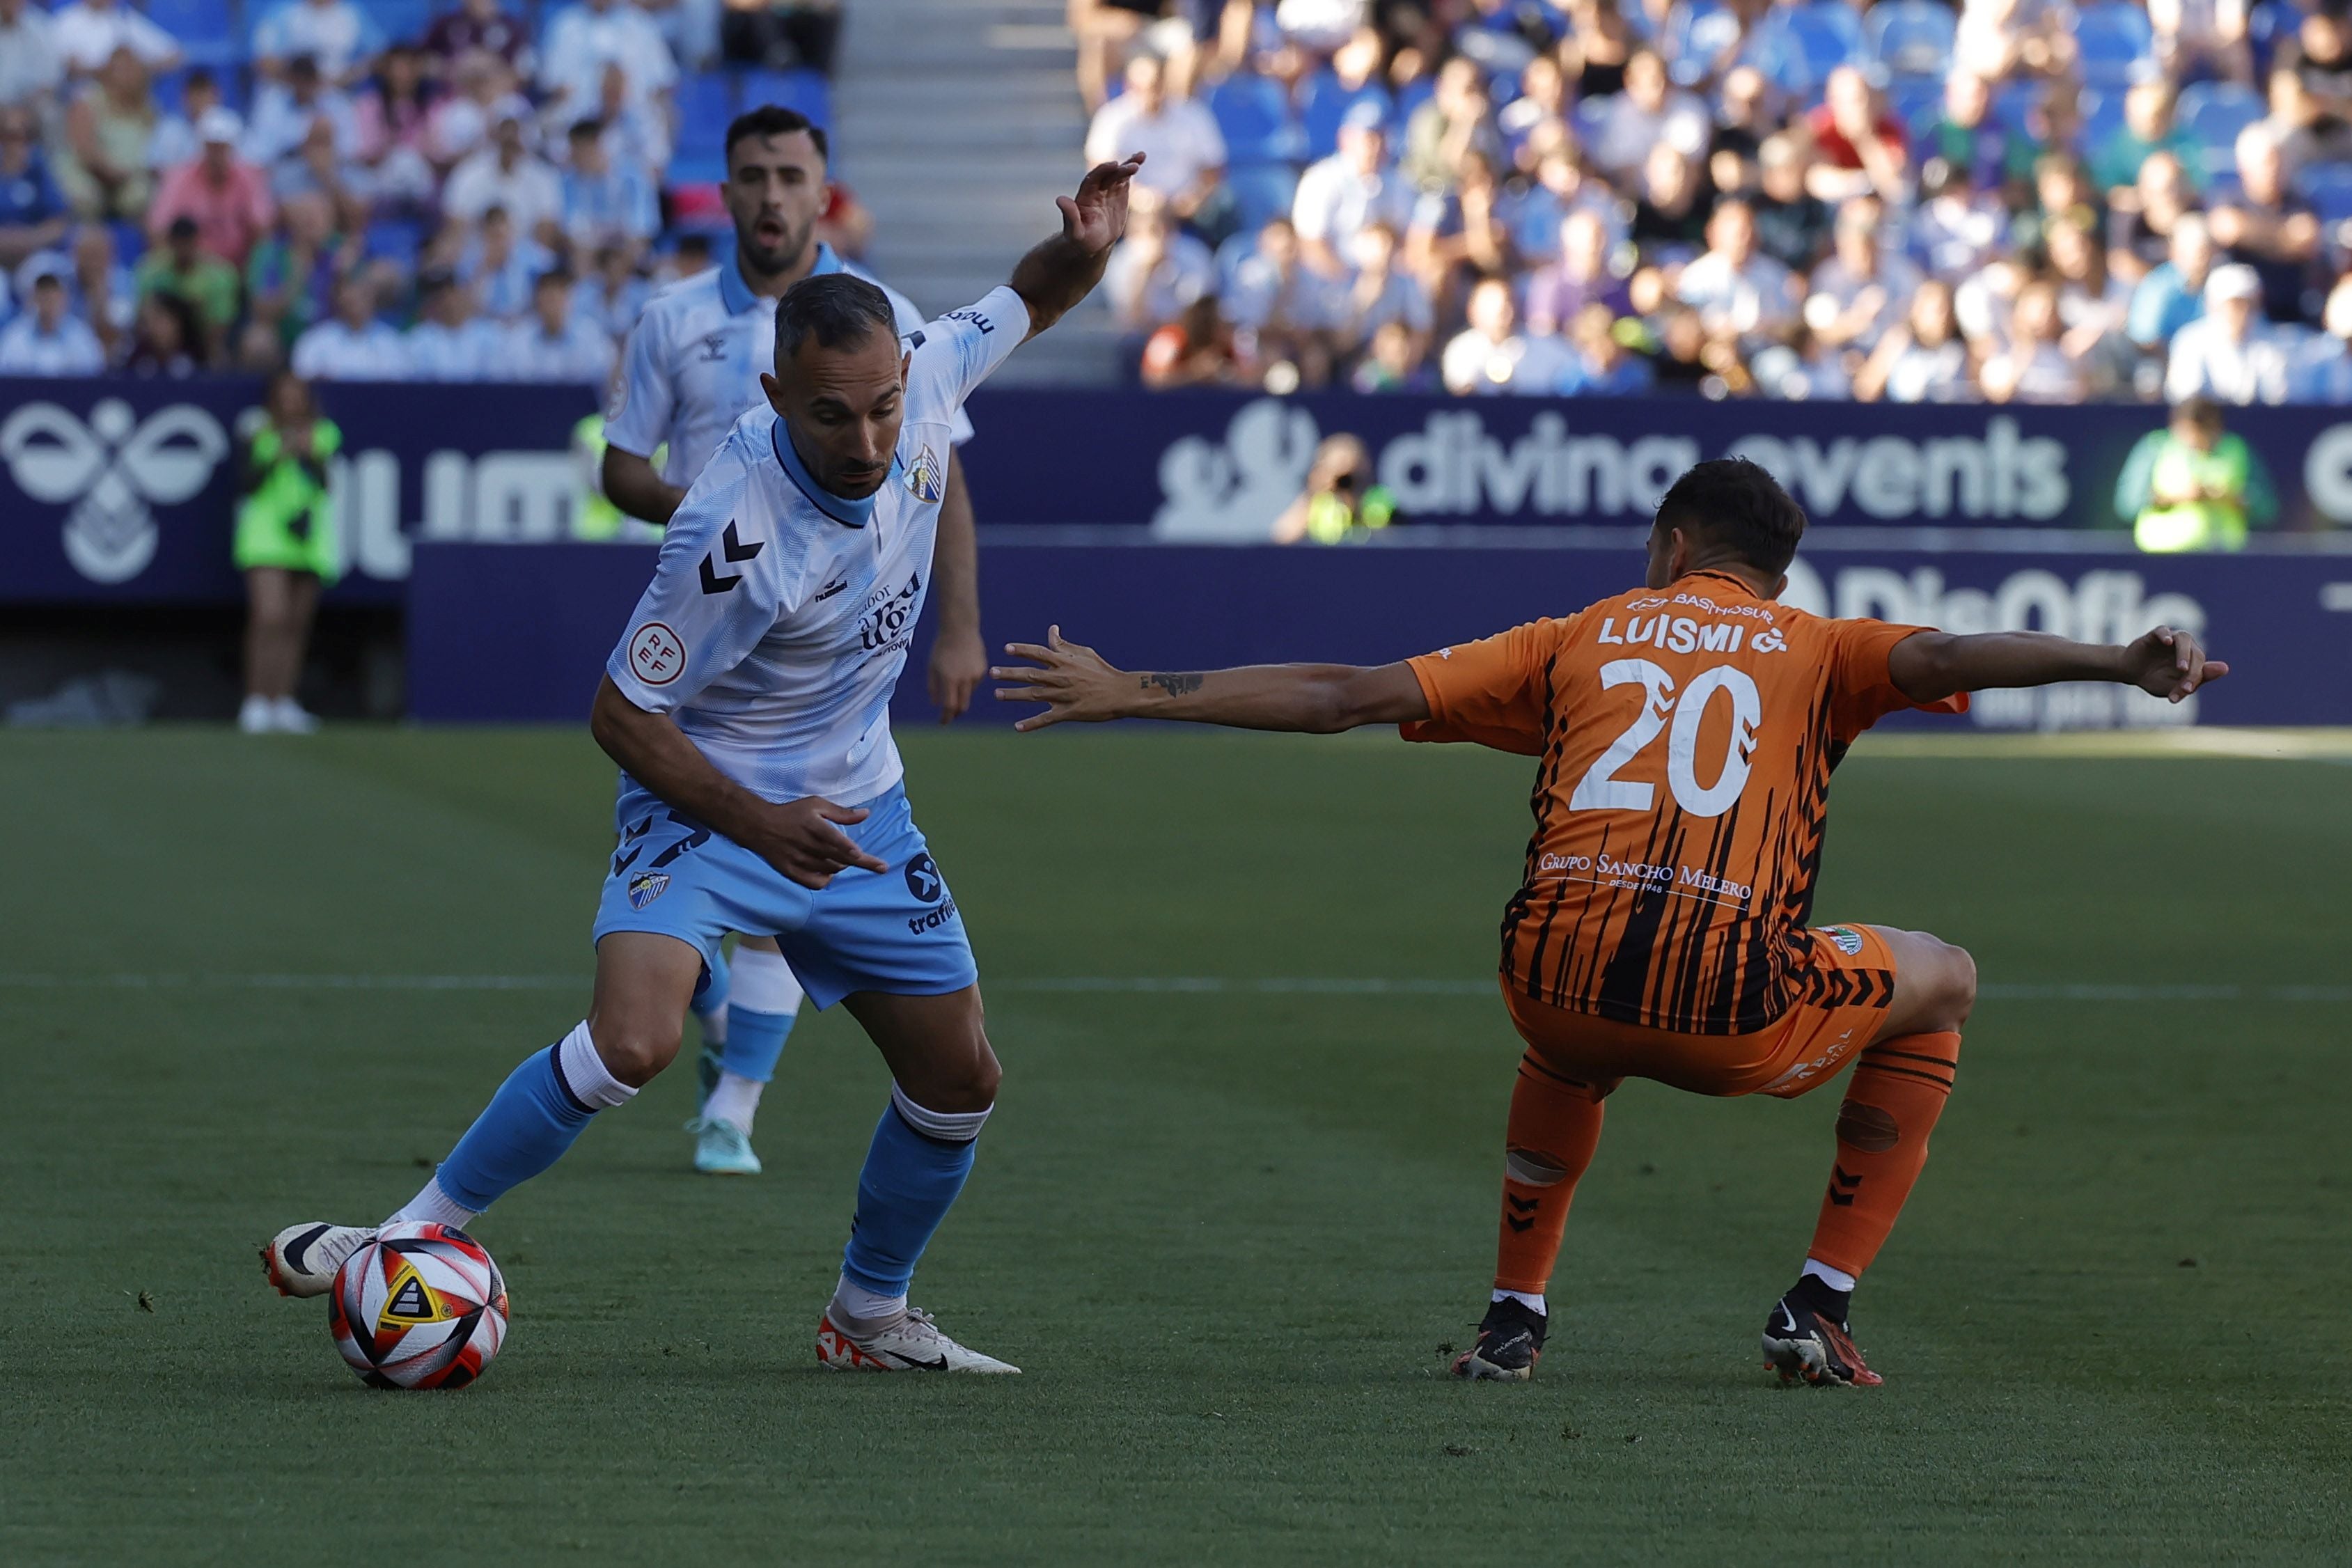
[553, 345]
[32, 67]
[1492, 355]
[451, 344]
[1158, 270]
[48, 339]
[585, 38]
[283, 110]
[1737, 291]
[341, 37]
[1923, 359]
[1649, 111]
[1184, 153]
[502, 267]
[605, 203]
[2228, 354]
[88, 32]
[1354, 187]
[507, 174]
[354, 345]
[175, 140]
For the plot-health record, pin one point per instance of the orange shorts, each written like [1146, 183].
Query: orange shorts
[1843, 994]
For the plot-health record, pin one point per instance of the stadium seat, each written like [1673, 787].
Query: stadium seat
[2213, 113]
[706, 103]
[1917, 101]
[1254, 116]
[803, 89]
[1261, 191]
[402, 21]
[2268, 26]
[1695, 32]
[1911, 38]
[208, 34]
[1412, 95]
[394, 240]
[2103, 115]
[2115, 44]
[1323, 103]
[2328, 188]
[2014, 105]
[1829, 34]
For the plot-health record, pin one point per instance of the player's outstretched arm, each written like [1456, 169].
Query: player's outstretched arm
[1078, 685]
[801, 838]
[1930, 665]
[1063, 270]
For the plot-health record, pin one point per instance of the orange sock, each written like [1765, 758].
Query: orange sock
[1555, 1125]
[1898, 1090]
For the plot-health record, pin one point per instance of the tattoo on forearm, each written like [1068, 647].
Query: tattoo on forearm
[1173, 684]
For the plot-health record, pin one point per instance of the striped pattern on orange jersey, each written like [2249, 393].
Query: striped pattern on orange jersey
[1686, 737]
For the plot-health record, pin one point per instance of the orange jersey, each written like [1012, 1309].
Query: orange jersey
[1686, 737]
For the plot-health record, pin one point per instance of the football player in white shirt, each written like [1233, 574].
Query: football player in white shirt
[748, 703]
[691, 368]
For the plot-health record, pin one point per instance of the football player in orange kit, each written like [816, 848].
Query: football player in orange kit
[1687, 731]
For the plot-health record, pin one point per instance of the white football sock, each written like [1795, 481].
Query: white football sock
[1532, 1300]
[763, 983]
[734, 1099]
[865, 1309]
[1835, 1278]
[585, 1075]
[432, 1206]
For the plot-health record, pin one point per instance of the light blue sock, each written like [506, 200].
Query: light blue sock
[530, 1121]
[914, 1169]
[711, 987]
[755, 1042]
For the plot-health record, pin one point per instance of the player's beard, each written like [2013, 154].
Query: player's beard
[791, 251]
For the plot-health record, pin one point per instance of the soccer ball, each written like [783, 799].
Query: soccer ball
[421, 1306]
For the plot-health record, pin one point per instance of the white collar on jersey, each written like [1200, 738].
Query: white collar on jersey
[736, 295]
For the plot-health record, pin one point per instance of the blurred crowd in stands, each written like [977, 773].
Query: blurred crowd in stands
[372, 189]
[2015, 200]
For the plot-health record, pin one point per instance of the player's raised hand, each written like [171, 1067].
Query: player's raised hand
[1096, 217]
[2171, 664]
[801, 838]
[1077, 684]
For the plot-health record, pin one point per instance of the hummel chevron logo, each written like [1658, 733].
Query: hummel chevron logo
[735, 551]
[829, 590]
[1842, 1186]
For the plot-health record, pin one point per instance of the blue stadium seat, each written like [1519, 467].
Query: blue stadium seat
[2014, 105]
[2115, 44]
[1323, 103]
[130, 240]
[2103, 115]
[2213, 113]
[1917, 101]
[207, 32]
[2268, 26]
[2328, 188]
[1695, 32]
[394, 240]
[1412, 95]
[1254, 116]
[402, 21]
[1261, 191]
[1911, 38]
[706, 103]
[803, 89]
[1829, 34]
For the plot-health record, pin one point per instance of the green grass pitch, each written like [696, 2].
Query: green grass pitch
[1228, 1230]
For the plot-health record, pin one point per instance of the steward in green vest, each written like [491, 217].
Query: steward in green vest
[2194, 486]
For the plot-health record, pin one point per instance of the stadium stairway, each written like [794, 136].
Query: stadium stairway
[958, 122]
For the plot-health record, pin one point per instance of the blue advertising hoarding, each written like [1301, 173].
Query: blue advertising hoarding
[506, 634]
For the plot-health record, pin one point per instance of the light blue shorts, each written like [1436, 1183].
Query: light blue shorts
[896, 930]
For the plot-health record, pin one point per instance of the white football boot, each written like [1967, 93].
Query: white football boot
[913, 1343]
[301, 1259]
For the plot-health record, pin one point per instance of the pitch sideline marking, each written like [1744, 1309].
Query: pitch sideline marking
[1122, 985]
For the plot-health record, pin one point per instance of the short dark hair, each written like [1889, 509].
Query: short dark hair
[773, 120]
[2199, 410]
[1736, 506]
[833, 308]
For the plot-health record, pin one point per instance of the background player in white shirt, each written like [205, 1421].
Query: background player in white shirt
[692, 366]
[748, 704]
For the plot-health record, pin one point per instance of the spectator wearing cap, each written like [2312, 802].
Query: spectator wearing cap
[2230, 354]
[342, 39]
[1737, 291]
[31, 69]
[48, 338]
[1355, 186]
[553, 345]
[502, 267]
[1648, 112]
[1862, 148]
[586, 37]
[182, 268]
[1157, 271]
[604, 203]
[32, 209]
[88, 32]
[509, 176]
[107, 169]
[228, 197]
[2173, 294]
[475, 25]
[449, 343]
[2267, 227]
[1184, 153]
[353, 345]
[1493, 355]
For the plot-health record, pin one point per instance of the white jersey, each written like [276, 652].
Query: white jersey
[694, 359]
[779, 615]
